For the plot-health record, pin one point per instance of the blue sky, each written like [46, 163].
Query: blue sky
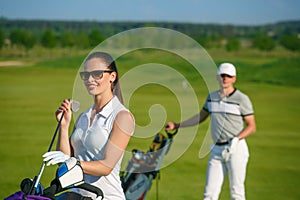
[239, 12]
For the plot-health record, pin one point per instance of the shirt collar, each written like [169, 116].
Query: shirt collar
[228, 94]
[108, 108]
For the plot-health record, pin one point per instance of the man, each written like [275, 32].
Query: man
[232, 120]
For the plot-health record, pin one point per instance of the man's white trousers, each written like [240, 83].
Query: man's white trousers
[219, 165]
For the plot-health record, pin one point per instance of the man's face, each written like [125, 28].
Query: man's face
[226, 80]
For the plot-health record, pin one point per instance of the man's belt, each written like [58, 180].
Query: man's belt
[222, 143]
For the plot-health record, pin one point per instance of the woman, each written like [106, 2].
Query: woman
[101, 133]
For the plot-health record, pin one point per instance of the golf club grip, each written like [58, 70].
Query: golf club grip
[56, 130]
[172, 133]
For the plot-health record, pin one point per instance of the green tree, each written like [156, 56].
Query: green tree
[16, 36]
[95, 37]
[291, 42]
[28, 40]
[205, 42]
[233, 44]
[48, 39]
[263, 42]
[22, 37]
[2, 38]
[67, 39]
[82, 40]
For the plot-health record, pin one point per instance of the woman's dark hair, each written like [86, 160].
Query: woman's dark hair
[111, 64]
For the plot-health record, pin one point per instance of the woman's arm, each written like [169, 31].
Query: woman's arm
[122, 130]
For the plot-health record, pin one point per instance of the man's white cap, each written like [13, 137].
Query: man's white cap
[227, 68]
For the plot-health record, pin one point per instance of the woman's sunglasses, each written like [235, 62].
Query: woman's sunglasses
[97, 74]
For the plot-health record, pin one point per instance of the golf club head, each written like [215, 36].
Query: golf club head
[75, 106]
[26, 185]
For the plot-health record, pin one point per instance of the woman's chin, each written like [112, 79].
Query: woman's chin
[91, 91]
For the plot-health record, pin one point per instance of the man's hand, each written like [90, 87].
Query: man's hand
[171, 126]
[229, 150]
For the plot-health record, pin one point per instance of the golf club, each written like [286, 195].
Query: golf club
[75, 106]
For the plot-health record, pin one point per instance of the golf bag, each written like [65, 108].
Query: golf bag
[68, 175]
[144, 167]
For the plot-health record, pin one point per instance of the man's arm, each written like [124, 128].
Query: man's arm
[196, 119]
[249, 128]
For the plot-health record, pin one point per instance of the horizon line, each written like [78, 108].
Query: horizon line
[149, 21]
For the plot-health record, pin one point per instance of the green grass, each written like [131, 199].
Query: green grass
[31, 94]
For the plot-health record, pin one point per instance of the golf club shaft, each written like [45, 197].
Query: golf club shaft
[56, 130]
[37, 178]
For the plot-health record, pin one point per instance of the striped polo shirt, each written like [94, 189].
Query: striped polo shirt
[227, 114]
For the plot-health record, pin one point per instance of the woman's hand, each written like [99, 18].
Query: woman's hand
[66, 108]
[55, 157]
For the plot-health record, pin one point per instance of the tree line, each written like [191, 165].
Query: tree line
[87, 34]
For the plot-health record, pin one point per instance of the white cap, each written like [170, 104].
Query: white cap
[227, 68]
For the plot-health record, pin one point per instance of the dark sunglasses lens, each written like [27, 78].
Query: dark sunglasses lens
[97, 74]
[84, 75]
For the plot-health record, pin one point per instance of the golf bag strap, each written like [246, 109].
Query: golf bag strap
[56, 188]
[92, 189]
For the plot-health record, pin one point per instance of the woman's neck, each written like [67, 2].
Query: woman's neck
[100, 101]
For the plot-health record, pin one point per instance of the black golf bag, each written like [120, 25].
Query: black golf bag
[144, 167]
